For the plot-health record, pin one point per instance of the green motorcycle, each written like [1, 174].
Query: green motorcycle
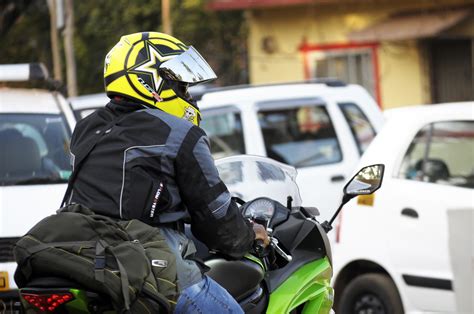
[291, 275]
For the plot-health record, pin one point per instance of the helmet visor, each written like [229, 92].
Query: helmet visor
[189, 67]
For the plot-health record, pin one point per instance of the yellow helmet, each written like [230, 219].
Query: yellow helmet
[156, 69]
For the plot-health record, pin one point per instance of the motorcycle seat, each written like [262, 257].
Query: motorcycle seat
[240, 278]
[51, 282]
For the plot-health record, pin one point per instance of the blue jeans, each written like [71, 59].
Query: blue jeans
[205, 297]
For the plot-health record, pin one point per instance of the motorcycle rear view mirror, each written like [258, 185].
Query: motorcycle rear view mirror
[366, 181]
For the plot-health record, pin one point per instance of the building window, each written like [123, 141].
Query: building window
[451, 70]
[349, 65]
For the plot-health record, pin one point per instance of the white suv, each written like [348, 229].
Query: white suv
[319, 128]
[35, 130]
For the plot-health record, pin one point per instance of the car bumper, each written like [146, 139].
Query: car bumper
[9, 295]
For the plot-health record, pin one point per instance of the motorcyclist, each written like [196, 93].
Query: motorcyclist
[154, 163]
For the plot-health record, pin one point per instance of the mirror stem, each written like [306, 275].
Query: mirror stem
[289, 202]
[327, 226]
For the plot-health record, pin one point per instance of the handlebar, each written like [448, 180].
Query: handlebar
[258, 246]
[261, 251]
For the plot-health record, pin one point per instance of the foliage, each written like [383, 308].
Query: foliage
[27, 39]
[10, 10]
[219, 36]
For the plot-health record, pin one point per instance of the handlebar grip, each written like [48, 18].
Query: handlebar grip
[259, 247]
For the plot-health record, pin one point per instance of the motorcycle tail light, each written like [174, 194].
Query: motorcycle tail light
[47, 302]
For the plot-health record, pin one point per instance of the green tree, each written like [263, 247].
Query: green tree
[219, 36]
[25, 38]
[99, 26]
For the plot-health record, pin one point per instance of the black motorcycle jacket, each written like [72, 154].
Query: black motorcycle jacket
[158, 168]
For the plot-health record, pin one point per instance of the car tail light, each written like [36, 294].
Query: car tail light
[47, 302]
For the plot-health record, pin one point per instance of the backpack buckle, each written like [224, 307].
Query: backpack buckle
[99, 262]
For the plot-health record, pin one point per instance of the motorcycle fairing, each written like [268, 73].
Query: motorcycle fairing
[309, 285]
[304, 240]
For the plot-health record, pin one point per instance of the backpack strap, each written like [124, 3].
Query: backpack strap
[79, 161]
[99, 270]
[124, 282]
[99, 261]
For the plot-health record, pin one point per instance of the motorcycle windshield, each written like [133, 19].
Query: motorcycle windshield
[250, 177]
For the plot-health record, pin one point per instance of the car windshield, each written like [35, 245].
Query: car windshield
[35, 149]
[249, 177]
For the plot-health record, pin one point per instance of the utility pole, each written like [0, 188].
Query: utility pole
[472, 67]
[54, 40]
[68, 34]
[165, 17]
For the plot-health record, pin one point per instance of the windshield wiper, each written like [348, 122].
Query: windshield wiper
[40, 180]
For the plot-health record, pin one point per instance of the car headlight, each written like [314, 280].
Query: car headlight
[260, 208]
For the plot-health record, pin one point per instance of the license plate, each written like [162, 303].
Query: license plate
[4, 281]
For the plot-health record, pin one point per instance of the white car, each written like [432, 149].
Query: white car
[35, 131]
[319, 128]
[395, 251]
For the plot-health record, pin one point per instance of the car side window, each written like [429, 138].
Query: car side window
[225, 133]
[361, 127]
[84, 113]
[442, 153]
[300, 136]
[411, 165]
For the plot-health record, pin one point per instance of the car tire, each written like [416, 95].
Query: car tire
[370, 293]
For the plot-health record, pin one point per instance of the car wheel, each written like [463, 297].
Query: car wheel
[370, 293]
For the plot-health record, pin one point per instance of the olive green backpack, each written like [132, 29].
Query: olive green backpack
[128, 261]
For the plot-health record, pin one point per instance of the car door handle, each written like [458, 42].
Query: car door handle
[337, 178]
[410, 212]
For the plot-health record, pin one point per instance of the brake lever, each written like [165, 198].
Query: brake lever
[274, 244]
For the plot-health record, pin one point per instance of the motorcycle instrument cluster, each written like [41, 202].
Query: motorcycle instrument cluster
[260, 208]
